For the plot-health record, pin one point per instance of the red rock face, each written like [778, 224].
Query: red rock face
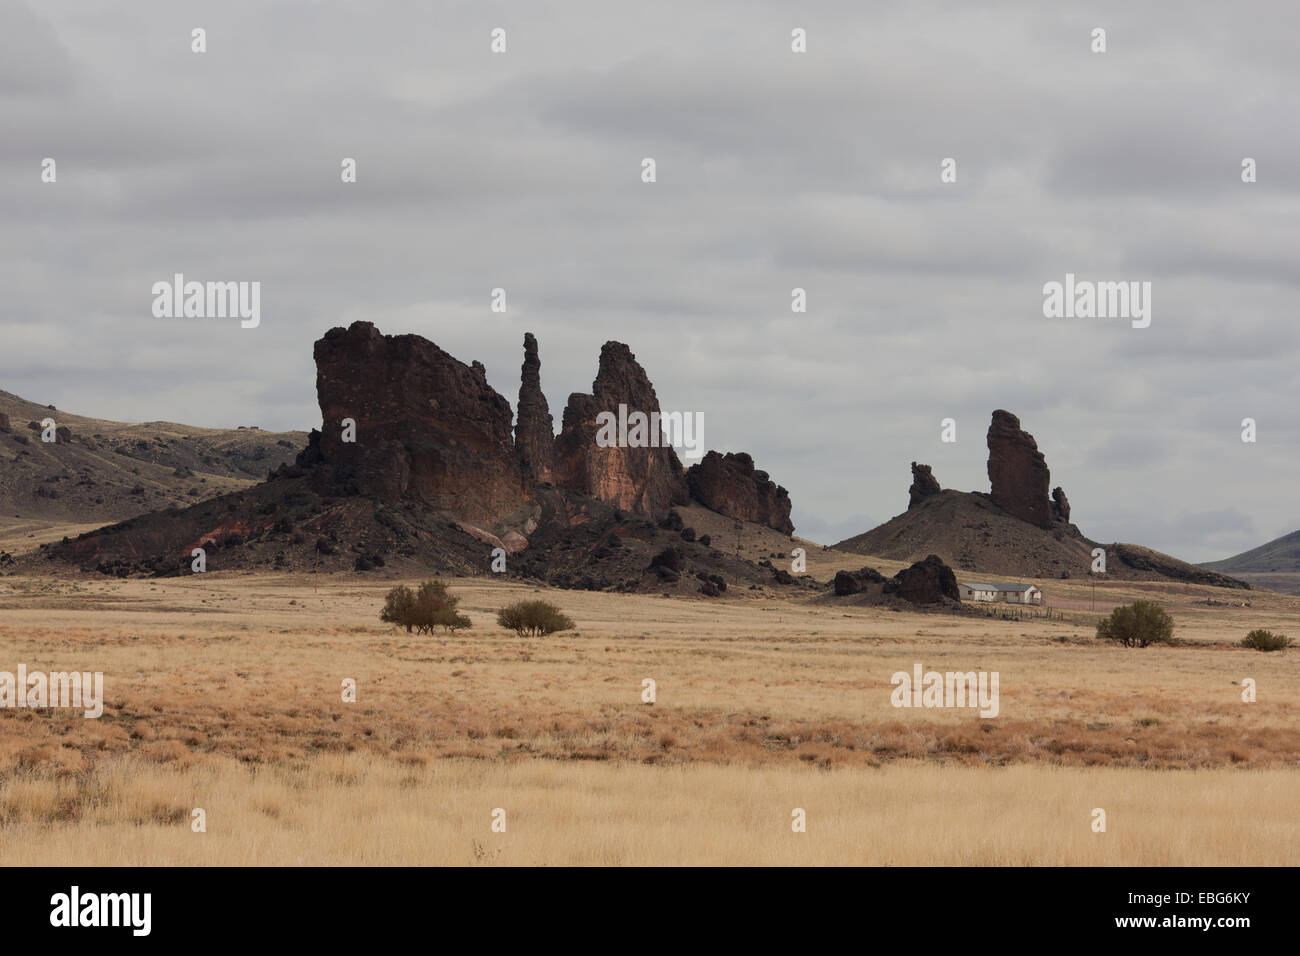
[924, 484]
[535, 429]
[1017, 471]
[645, 481]
[729, 485]
[428, 427]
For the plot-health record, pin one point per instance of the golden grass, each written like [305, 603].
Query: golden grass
[223, 692]
[362, 810]
[251, 667]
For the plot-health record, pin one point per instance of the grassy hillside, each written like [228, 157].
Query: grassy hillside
[103, 471]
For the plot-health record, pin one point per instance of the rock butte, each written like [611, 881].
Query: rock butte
[430, 429]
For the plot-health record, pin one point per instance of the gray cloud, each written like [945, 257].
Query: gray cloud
[775, 171]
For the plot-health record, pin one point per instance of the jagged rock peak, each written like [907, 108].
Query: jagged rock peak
[535, 428]
[644, 480]
[924, 484]
[1017, 471]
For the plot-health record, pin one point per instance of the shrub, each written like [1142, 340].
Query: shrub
[533, 618]
[424, 609]
[1137, 625]
[1262, 640]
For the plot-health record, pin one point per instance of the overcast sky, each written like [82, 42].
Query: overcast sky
[775, 170]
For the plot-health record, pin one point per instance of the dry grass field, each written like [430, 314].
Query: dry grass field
[224, 692]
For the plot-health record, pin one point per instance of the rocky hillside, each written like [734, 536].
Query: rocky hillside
[103, 471]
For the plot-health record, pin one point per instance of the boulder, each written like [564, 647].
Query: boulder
[855, 582]
[925, 582]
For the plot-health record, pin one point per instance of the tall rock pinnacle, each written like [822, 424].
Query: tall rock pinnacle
[534, 429]
[642, 480]
[1017, 471]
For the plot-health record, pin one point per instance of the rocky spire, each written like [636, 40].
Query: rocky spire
[643, 480]
[924, 484]
[1017, 471]
[534, 429]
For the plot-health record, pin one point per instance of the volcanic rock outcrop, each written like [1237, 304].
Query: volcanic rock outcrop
[1017, 471]
[730, 485]
[924, 484]
[925, 582]
[1060, 505]
[642, 480]
[427, 426]
[535, 429]
[855, 582]
[416, 465]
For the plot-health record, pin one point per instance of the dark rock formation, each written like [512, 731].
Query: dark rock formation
[924, 484]
[665, 568]
[428, 427]
[642, 480]
[855, 582]
[4, 423]
[1017, 472]
[669, 557]
[1060, 505]
[729, 485]
[926, 582]
[535, 429]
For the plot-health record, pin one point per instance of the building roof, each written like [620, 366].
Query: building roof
[999, 587]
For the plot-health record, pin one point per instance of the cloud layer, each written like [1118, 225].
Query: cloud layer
[775, 170]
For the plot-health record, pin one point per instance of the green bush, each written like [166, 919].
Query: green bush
[1137, 625]
[424, 609]
[1262, 640]
[533, 618]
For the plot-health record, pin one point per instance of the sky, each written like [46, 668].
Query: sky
[775, 170]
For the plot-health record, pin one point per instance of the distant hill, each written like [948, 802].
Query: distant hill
[967, 530]
[1018, 529]
[105, 471]
[1275, 565]
[1279, 555]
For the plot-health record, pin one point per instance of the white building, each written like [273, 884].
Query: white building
[1008, 593]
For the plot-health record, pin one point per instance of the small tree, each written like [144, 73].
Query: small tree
[399, 607]
[1137, 625]
[533, 618]
[1262, 640]
[424, 609]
